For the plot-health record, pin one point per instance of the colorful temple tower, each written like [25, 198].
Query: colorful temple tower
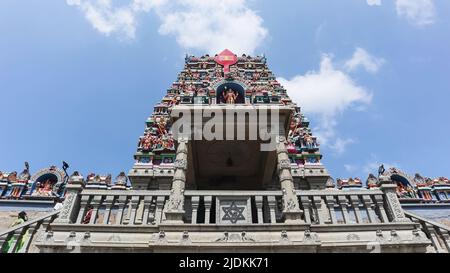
[228, 162]
[215, 83]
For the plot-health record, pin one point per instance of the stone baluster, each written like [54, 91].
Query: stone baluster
[2, 241]
[96, 202]
[272, 203]
[368, 205]
[71, 204]
[354, 199]
[445, 237]
[160, 200]
[83, 208]
[147, 204]
[395, 210]
[306, 203]
[121, 203]
[321, 210]
[195, 200]
[343, 202]
[207, 200]
[259, 206]
[109, 203]
[174, 210]
[291, 208]
[380, 207]
[434, 237]
[134, 202]
[330, 204]
[139, 211]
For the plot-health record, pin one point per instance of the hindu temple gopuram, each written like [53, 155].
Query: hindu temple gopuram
[237, 191]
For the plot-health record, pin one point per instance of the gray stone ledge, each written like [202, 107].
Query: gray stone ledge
[363, 227]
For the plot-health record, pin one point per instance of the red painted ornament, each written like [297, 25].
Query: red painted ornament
[226, 58]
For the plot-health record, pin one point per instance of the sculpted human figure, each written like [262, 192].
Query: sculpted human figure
[162, 126]
[372, 181]
[230, 96]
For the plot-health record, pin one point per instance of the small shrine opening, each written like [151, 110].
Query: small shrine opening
[44, 185]
[230, 92]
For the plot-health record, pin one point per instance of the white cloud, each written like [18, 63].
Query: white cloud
[418, 12]
[374, 2]
[326, 94]
[362, 58]
[340, 145]
[106, 18]
[203, 25]
[213, 25]
[371, 165]
[350, 168]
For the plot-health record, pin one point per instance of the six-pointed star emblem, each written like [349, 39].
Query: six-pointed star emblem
[233, 213]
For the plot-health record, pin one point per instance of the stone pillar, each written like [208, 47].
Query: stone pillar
[368, 205]
[394, 209]
[306, 203]
[259, 209]
[380, 208]
[354, 200]
[71, 204]
[194, 203]
[322, 211]
[207, 200]
[343, 202]
[272, 202]
[291, 207]
[330, 204]
[109, 201]
[174, 210]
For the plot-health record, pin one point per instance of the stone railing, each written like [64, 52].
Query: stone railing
[438, 234]
[115, 207]
[18, 238]
[120, 207]
[344, 207]
[232, 207]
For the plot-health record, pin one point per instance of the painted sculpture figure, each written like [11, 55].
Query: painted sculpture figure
[230, 96]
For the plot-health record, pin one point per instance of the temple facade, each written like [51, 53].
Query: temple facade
[226, 162]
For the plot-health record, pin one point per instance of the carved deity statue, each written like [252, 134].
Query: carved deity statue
[230, 96]
[372, 181]
[43, 188]
[121, 179]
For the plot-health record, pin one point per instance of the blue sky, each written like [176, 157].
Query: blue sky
[79, 78]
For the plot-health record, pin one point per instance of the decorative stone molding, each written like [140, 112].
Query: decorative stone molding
[284, 164]
[353, 237]
[280, 139]
[235, 237]
[181, 164]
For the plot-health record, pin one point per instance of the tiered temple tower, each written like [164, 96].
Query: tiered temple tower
[227, 162]
[217, 84]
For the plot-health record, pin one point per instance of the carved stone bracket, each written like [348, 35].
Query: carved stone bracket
[284, 164]
[181, 164]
